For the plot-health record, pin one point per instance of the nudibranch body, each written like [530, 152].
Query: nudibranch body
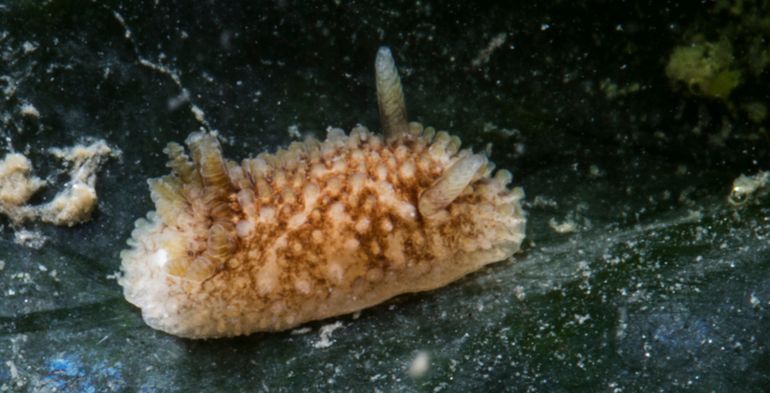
[316, 230]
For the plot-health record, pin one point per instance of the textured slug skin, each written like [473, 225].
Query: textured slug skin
[317, 230]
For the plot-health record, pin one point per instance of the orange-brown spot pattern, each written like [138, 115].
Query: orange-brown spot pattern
[316, 230]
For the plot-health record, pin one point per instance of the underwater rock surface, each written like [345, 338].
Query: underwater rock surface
[653, 280]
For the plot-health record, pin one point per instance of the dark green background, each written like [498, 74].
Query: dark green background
[652, 293]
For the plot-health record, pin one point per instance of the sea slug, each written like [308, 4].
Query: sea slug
[316, 230]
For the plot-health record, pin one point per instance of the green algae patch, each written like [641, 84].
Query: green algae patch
[705, 68]
[724, 56]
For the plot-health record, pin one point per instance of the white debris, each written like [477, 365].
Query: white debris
[200, 116]
[581, 319]
[180, 99]
[490, 128]
[31, 239]
[12, 369]
[294, 131]
[595, 172]
[29, 110]
[166, 70]
[75, 203]
[568, 226]
[545, 202]
[14, 373]
[754, 300]
[519, 292]
[325, 335]
[17, 186]
[744, 186]
[70, 206]
[484, 54]
[29, 47]
[420, 364]
[302, 330]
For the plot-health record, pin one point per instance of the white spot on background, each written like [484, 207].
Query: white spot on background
[420, 364]
[29, 110]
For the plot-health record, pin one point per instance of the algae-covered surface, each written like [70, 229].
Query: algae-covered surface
[638, 273]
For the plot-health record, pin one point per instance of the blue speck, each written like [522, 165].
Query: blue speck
[66, 373]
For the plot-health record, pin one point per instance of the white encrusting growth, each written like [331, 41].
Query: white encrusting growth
[17, 186]
[320, 229]
[70, 206]
[78, 199]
